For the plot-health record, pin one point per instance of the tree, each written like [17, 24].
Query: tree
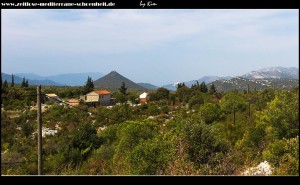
[123, 89]
[23, 84]
[212, 89]
[76, 147]
[120, 97]
[233, 102]
[282, 114]
[129, 135]
[26, 83]
[183, 93]
[203, 87]
[210, 112]
[149, 157]
[12, 80]
[5, 84]
[196, 101]
[89, 85]
[162, 93]
[179, 85]
[196, 86]
[284, 155]
[202, 144]
[172, 98]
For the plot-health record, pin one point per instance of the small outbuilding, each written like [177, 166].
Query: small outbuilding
[143, 97]
[74, 102]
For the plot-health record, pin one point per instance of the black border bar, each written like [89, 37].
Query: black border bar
[151, 4]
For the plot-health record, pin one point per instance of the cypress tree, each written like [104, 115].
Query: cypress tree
[12, 80]
[5, 84]
[23, 84]
[26, 83]
[123, 89]
[89, 85]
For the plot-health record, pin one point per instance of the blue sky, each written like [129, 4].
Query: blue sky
[154, 46]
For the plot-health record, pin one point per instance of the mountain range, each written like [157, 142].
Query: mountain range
[19, 80]
[148, 86]
[70, 79]
[240, 84]
[272, 77]
[276, 77]
[206, 79]
[274, 72]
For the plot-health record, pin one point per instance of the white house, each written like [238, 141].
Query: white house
[143, 97]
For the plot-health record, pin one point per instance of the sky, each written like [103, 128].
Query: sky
[153, 46]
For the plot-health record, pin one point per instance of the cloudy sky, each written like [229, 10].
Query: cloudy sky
[155, 46]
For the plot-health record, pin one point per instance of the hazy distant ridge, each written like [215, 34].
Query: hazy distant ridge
[18, 80]
[70, 79]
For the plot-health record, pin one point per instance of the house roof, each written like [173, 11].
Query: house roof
[73, 101]
[102, 92]
[51, 95]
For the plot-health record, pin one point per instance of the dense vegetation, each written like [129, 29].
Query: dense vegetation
[193, 131]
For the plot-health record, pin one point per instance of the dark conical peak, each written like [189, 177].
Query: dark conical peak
[114, 80]
[113, 73]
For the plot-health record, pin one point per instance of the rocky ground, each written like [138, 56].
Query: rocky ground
[263, 169]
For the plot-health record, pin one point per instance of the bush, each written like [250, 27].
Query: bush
[210, 112]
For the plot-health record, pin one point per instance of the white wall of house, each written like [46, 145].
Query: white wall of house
[144, 95]
[92, 97]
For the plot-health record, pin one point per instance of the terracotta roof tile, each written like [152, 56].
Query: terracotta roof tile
[73, 101]
[102, 92]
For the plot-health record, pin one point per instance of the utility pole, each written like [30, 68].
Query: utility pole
[39, 120]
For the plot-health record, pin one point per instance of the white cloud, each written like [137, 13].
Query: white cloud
[118, 31]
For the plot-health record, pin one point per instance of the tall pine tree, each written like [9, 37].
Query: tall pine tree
[123, 89]
[203, 87]
[89, 85]
[5, 84]
[12, 80]
[26, 83]
[23, 84]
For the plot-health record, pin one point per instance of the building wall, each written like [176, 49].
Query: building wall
[92, 97]
[105, 99]
[82, 97]
[143, 100]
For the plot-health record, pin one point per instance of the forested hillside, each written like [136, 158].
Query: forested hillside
[193, 131]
